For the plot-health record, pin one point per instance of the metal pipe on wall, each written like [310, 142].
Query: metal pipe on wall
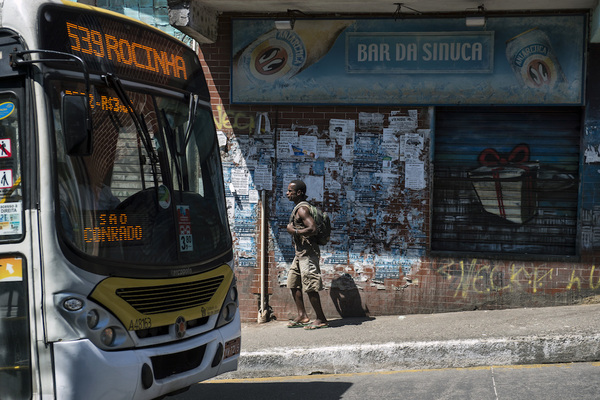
[263, 312]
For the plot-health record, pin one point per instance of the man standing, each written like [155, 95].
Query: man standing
[304, 273]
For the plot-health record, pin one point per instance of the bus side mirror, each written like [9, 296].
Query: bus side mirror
[76, 127]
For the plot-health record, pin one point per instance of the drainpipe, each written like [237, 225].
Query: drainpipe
[263, 312]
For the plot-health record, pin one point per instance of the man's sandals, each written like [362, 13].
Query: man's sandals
[310, 327]
[298, 324]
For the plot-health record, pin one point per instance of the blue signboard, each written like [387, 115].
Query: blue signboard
[537, 60]
[417, 53]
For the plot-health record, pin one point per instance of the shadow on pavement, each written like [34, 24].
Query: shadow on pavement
[336, 323]
[346, 297]
[256, 391]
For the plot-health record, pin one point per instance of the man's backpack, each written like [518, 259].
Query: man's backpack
[322, 221]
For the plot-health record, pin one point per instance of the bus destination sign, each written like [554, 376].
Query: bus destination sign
[111, 44]
[115, 227]
[123, 51]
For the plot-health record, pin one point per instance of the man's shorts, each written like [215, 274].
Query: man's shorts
[305, 274]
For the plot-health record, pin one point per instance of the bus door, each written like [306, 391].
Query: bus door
[15, 354]
[16, 378]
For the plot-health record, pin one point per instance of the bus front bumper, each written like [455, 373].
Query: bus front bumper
[84, 371]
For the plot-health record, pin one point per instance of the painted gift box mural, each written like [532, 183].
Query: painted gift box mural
[506, 184]
[516, 188]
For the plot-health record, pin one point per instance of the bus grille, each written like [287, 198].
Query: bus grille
[172, 364]
[167, 298]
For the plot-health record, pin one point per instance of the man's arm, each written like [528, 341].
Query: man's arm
[308, 221]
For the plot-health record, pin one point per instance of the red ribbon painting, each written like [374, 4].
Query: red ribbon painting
[517, 157]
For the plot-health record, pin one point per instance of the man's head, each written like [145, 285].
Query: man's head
[296, 191]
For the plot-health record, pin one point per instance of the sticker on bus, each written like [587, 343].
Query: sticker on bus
[6, 109]
[6, 178]
[185, 228]
[11, 269]
[10, 218]
[164, 197]
[5, 148]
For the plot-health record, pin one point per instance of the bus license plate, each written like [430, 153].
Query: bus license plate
[232, 347]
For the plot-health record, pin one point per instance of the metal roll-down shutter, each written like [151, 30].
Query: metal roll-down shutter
[506, 180]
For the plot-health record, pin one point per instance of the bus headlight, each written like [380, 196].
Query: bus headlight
[233, 294]
[73, 304]
[92, 319]
[107, 336]
[230, 306]
[83, 318]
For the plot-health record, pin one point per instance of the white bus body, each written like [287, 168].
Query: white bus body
[116, 272]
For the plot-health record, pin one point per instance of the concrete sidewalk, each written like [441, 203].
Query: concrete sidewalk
[459, 339]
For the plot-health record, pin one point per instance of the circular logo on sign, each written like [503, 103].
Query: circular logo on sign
[271, 60]
[273, 56]
[180, 327]
[540, 73]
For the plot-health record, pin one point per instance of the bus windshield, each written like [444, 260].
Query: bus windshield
[151, 191]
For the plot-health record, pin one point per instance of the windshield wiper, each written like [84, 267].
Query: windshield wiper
[172, 146]
[191, 118]
[140, 124]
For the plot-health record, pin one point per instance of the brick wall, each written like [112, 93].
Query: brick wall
[378, 261]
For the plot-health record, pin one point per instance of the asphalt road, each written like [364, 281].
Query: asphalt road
[529, 382]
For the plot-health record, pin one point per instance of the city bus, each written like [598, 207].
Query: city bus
[116, 260]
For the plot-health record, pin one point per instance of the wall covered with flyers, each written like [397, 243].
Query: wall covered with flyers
[354, 170]
[418, 227]
[370, 173]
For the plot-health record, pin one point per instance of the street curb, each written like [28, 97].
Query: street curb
[417, 355]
